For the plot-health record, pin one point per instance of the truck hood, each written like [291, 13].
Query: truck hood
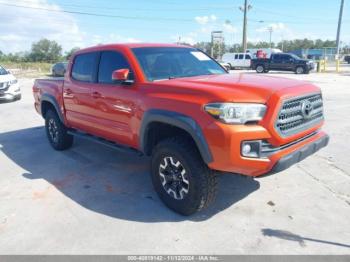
[243, 87]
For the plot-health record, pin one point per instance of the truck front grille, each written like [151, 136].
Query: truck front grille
[299, 114]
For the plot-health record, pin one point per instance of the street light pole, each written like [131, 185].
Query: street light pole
[339, 26]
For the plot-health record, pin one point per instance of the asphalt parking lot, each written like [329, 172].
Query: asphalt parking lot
[94, 200]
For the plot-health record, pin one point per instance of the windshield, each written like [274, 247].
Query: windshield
[295, 56]
[160, 63]
[3, 71]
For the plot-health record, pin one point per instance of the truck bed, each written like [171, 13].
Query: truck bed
[49, 87]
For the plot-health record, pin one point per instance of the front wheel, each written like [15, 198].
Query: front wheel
[300, 70]
[56, 132]
[260, 69]
[180, 177]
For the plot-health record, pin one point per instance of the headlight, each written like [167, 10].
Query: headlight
[12, 82]
[236, 113]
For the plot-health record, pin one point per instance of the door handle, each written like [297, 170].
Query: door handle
[96, 94]
[69, 91]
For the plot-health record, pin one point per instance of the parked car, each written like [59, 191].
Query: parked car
[177, 105]
[237, 60]
[347, 58]
[282, 62]
[9, 87]
[59, 69]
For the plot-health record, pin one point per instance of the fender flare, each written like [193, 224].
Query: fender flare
[52, 100]
[181, 121]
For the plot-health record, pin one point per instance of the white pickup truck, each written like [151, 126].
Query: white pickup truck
[237, 60]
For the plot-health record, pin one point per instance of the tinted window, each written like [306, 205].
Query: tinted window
[285, 57]
[109, 62]
[160, 63]
[236, 56]
[276, 57]
[247, 56]
[240, 56]
[84, 67]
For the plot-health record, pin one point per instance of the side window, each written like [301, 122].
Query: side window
[236, 56]
[84, 67]
[285, 57]
[109, 62]
[240, 56]
[247, 57]
[276, 57]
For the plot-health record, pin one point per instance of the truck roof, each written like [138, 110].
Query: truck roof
[129, 45]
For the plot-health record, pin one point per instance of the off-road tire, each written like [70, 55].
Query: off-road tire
[202, 180]
[61, 139]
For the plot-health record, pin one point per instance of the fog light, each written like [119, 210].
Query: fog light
[251, 148]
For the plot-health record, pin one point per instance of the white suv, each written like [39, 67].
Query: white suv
[9, 87]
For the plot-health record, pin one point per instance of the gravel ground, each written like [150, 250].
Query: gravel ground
[93, 200]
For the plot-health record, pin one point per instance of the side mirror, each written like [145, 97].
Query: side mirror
[120, 75]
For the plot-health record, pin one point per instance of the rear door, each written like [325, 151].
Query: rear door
[77, 91]
[286, 62]
[247, 59]
[276, 62]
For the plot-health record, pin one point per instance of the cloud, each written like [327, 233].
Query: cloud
[20, 27]
[276, 27]
[228, 28]
[203, 20]
[189, 38]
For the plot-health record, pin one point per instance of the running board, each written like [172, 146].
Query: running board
[103, 141]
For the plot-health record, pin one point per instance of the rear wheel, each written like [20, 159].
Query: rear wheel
[56, 132]
[180, 177]
[260, 69]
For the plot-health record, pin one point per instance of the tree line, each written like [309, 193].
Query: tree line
[285, 46]
[50, 51]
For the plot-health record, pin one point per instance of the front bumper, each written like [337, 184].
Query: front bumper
[11, 93]
[299, 154]
[225, 143]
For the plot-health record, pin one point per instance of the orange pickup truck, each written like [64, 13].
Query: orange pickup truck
[179, 106]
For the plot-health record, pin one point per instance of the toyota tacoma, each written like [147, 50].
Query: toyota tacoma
[179, 106]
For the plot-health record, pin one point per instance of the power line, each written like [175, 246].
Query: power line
[100, 15]
[201, 8]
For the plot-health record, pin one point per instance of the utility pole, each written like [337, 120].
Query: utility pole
[245, 9]
[339, 26]
[270, 29]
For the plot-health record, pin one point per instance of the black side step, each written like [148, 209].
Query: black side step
[103, 141]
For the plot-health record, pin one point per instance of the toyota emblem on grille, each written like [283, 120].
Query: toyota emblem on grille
[306, 109]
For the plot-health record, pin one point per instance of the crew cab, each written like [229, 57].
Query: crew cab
[282, 62]
[237, 60]
[179, 106]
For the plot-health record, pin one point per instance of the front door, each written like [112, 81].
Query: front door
[113, 103]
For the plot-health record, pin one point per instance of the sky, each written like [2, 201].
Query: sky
[83, 23]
